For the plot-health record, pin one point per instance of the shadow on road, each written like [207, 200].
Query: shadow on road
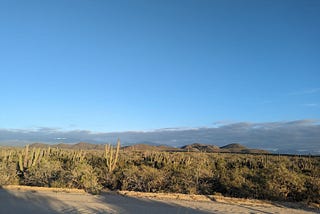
[297, 206]
[126, 204]
[25, 202]
[34, 202]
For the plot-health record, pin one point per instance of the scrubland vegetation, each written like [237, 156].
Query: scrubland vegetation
[272, 177]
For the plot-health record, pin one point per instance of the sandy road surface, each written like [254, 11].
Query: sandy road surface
[37, 200]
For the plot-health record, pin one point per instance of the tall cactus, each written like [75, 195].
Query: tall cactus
[25, 161]
[36, 156]
[26, 156]
[111, 156]
[20, 163]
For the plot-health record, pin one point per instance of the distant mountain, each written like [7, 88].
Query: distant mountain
[198, 147]
[77, 146]
[230, 148]
[291, 137]
[40, 145]
[236, 146]
[146, 147]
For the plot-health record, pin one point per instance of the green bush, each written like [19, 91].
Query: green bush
[84, 177]
[8, 173]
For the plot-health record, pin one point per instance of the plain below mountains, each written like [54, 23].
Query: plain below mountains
[196, 147]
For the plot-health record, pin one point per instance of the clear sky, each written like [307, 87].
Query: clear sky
[141, 65]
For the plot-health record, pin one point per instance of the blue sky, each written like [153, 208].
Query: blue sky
[141, 65]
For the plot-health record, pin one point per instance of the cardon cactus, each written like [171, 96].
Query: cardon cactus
[111, 156]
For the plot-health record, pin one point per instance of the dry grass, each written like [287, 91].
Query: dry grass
[193, 197]
[33, 188]
[220, 199]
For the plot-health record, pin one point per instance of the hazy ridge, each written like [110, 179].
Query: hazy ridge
[196, 147]
[293, 137]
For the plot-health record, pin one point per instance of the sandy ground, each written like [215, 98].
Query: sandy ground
[33, 200]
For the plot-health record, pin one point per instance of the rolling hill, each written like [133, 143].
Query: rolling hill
[196, 147]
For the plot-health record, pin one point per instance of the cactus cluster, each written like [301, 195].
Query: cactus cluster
[27, 159]
[111, 156]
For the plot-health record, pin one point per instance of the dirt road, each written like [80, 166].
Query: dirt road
[37, 200]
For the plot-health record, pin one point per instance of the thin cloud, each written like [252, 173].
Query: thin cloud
[302, 122]
[311, 105]
[220, 123]
[266, 102]
[305, 92]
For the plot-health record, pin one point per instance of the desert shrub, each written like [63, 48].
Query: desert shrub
[108, 180]
[84, 177]
[143, 178]
[283, 184]
[312, 190]
[181, 182]
[8, 173]
[44, 174]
